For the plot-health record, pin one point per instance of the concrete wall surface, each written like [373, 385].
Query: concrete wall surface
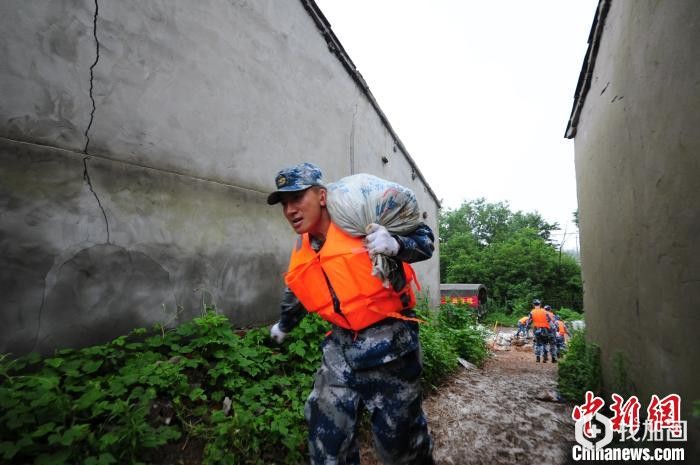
[637, 167]
[138, 142]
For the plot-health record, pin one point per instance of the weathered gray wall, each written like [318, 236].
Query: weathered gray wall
[637, 168]
[196, 107]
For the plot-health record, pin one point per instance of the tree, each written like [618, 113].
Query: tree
[490, 222]
[508, 251]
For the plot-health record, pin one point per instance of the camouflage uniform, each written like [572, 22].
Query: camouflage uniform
[541, 342]
[543, 338]
[378, 368]
[561, 344]
[553, 346]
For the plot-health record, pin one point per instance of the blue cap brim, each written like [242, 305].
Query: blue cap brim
[276, 196]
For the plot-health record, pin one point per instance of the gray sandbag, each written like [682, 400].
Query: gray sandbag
[354, 202]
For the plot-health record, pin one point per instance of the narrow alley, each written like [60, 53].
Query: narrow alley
[504, 413]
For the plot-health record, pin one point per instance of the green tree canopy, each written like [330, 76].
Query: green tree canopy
[491, 222]
[510, 252]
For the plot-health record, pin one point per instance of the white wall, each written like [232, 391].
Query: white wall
[637, 167]
[196, 107]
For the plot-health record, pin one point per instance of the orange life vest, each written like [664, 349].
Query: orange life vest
[344, 264]
[562, 328]
[539, 318]
[523, 320]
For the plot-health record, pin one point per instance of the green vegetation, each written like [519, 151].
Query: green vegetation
[511, 253]
[579, 371]
[620, 382]
[111, 403]
[447, 334]
[495, 315]
[502, 318]
[148, 396]
[568, 315]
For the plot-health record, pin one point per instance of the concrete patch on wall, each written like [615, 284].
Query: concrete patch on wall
[100, 292]
[173, 240]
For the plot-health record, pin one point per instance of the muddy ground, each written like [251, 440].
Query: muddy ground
[494, 415]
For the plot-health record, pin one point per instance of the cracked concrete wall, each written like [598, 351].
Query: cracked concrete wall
[138, 141]
[637, 166]
[66, 285]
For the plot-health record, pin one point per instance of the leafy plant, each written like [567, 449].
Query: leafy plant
[233, 394]
[439, 356]
[118, 402]
[620, 382]
[567, 314]
[502, 318]
[447, 334]
[580, 370]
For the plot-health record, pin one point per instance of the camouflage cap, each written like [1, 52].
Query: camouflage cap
[295, 178]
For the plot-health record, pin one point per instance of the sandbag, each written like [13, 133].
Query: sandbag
[354, 202]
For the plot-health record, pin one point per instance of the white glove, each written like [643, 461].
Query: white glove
[277, 334]
[379, 241]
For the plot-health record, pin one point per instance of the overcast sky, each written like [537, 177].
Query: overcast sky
[479, 92]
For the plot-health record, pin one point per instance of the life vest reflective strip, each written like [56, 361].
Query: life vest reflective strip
[344, 264]
[539, 318]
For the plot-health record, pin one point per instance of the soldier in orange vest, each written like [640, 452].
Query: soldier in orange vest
[562, 335]
[543, 326]
[371, 357]
[522, 327]
[553, 348]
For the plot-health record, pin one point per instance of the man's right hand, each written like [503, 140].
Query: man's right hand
[277, 334]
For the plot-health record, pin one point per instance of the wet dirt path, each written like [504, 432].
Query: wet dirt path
[492, 416]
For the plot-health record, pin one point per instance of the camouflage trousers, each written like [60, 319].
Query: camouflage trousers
[561, 345]
[390, 392]
[543, 343]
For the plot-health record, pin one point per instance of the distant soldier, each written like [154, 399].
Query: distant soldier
[562, 336]
[522, 327]
[552, 333]
[542, 323]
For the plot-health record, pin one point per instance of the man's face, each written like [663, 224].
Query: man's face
[303, 209]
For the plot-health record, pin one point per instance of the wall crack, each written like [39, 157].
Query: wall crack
[92, 78]
[86, 178]
[37, 333]
[86, 173]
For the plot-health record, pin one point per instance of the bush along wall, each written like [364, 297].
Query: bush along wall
[580, 370]
[233, 394]
[202, 392]
[449, 333]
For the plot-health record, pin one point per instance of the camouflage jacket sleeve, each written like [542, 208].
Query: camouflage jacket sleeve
[417, 245]
[291, 311]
